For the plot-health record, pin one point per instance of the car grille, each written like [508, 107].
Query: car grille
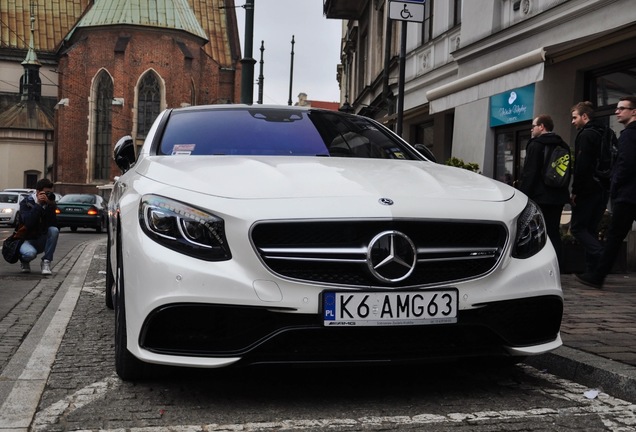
[337, 252]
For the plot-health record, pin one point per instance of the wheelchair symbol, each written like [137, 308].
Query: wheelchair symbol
[405, 13]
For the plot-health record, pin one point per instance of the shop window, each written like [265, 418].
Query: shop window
[424, 134]
[510, 154]
[608, 87]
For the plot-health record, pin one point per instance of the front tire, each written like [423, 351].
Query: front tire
[110, 279]
[127, 366]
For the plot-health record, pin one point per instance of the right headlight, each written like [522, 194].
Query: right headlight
[185, 229]
[531, 233]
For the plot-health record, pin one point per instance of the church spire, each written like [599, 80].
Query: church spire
[30, 83]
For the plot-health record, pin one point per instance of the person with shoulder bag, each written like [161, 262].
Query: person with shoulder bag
[38, 227]
[549, 196]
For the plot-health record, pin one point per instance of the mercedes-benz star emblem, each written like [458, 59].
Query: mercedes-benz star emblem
[391, 256]
[386, 201]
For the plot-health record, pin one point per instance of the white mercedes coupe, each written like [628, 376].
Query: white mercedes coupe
[243, 235]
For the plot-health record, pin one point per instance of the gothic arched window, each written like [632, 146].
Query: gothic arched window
[149, 103]
[103, 126]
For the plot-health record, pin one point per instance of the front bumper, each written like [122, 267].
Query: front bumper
[79, 221]
[259, 335]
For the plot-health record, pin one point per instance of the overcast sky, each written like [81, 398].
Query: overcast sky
[316, 49]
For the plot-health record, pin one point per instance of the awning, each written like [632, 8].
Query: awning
[516, 72]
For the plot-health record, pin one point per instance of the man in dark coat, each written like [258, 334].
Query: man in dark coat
[622, 194]
[589, 195]
[38, 227]
[549, 199]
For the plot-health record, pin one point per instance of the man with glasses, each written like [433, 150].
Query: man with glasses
[589, 196]
[549, 199]
[622, 193]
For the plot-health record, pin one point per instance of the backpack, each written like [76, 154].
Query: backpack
[558, 166]
[607, 157]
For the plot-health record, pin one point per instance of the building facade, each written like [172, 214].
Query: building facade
[109, 69]
[477, 72]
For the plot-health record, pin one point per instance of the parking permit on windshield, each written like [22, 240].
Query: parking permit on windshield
[183, 149]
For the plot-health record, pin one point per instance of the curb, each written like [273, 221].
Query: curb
[609, 376]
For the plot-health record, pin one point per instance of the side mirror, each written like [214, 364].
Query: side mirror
[124, 153]
[426, 152]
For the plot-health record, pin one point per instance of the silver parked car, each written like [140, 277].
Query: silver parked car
[10, 207]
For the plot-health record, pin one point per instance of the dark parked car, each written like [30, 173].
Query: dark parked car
[82, 211]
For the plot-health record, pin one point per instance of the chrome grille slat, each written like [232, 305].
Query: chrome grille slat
[296, 258]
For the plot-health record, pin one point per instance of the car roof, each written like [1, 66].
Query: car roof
[245, 106]
[24, 190]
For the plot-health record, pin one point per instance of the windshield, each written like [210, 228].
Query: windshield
[77, 199]
[9, 198]
[278, 132]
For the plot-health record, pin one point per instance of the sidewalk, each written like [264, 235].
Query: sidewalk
[598, 328]
[599, 336]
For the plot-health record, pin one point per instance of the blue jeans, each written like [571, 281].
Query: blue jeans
[45, 243]
[586, 216]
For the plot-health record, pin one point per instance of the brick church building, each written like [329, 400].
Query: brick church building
[117, 66]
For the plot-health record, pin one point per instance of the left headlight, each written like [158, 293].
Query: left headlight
[531, 233]
[183, 228]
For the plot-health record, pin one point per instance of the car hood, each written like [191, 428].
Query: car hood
[272, 177]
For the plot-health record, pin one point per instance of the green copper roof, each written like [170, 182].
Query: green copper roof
[173, 14]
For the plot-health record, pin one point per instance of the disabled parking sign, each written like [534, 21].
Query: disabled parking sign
[408, 10]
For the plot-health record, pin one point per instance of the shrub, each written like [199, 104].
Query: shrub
[459, 163]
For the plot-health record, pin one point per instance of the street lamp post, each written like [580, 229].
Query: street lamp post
[247, 62]
[291, 72]
[261, 78]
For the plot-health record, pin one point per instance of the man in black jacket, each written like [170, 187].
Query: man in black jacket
[589, 196]
[622, 193]
[549, 199]
[38, 227]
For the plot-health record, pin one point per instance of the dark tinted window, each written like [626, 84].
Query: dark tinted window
[9, 198]
[262, 131]
[78, 199]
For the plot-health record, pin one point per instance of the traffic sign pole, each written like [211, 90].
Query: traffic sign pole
[405, 11]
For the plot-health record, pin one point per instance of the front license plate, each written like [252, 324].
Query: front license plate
[389, 308]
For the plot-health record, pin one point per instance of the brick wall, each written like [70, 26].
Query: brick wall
[176, 57]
